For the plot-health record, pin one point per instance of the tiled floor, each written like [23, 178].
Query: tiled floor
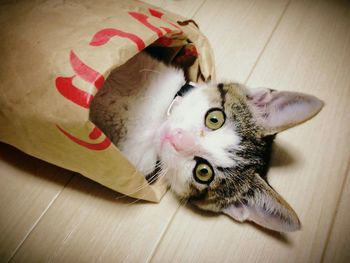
[49, 214]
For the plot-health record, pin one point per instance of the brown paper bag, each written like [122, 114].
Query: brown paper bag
[55, 55]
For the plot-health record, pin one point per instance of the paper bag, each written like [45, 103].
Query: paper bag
[55, 55]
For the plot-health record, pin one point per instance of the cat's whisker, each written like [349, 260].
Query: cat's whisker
[154, 177]
[149, 70]
[135, 190]
[183, 201]
[146, 98]
[135, 201]
[173, 178]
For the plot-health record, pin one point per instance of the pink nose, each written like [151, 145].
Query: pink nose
[182, 140]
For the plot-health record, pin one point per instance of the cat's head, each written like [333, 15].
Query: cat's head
[216, 143]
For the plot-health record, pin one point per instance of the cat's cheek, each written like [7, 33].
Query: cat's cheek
[181, 189]
[167, 153]
[179, 180]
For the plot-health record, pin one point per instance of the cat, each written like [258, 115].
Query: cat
[211, 141]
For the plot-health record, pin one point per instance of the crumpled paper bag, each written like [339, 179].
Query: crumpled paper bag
[55, 55]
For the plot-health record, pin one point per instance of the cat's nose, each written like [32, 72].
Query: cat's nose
[183, 141]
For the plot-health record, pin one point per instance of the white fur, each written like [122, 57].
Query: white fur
[150, 118]
[148, 112]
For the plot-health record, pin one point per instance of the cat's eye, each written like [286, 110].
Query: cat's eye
[214, 118]
[203, 173]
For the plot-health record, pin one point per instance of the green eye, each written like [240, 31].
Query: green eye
[215, 118]
[203, 173]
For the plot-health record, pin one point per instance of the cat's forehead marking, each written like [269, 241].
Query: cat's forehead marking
[222, 92]
[237, 108]
[233, 92]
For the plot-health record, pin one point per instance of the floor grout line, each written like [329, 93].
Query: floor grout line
[342, 189]
[39, 219]
[162, 236]
[268, 41]
[199, 8]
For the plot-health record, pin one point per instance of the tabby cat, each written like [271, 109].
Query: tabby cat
[212, 142]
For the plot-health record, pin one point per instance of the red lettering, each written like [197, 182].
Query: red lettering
[82, 98]
[156, 13]
[65, 86]
[92, 146]
[159, 15]
[104, 35]
[95, 134]
[143, 19]
[85, 72]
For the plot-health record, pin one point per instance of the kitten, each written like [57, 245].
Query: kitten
[211, 141]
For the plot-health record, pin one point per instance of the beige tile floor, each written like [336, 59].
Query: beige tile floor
[49, 214]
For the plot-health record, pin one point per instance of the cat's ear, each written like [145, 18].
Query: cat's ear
[266, 208]
[279, 110]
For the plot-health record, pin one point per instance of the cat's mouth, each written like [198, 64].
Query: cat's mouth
[178, 141]
[167, 141]
[167, 146]
[166, 151]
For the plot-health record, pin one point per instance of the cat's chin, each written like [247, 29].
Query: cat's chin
[173, 160]
[168, 153]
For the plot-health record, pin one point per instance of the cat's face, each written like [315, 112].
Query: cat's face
[216, 145]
